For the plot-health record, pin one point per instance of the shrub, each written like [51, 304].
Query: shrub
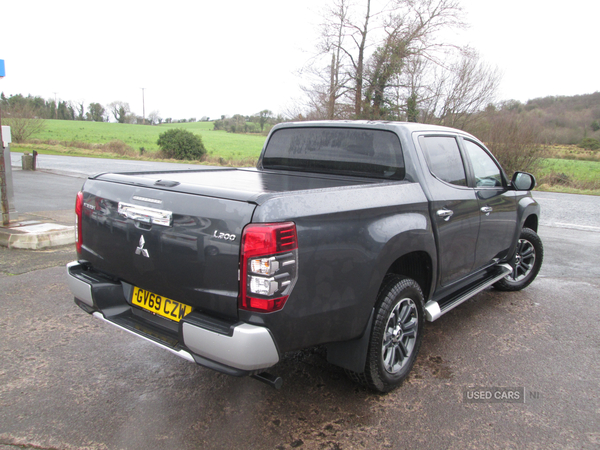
[23, 120]
[589, 144]
[514, 139]
[178, 143]
[118, 147]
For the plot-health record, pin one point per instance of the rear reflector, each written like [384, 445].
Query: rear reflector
[78, 221]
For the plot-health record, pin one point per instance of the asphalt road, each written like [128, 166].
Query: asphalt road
[58, 178]
[69, 381]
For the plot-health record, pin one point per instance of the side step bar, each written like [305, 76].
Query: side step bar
[433, 311]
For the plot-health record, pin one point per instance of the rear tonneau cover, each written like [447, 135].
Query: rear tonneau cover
[246, 185]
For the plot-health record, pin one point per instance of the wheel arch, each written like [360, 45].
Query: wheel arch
[531, 221]
[416, 265]
[528, 211]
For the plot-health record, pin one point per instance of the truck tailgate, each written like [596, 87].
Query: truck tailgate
[176, 244]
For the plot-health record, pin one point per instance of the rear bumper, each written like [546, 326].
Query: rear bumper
[233, 348]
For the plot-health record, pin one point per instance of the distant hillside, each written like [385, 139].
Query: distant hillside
[564, 120]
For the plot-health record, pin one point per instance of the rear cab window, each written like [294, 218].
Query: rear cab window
[343, 151]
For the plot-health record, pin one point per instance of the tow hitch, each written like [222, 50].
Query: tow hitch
[270, 379]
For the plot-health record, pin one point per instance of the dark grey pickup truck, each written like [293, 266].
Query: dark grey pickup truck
[347, 234]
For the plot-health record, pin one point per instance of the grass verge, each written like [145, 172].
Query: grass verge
[570, 176]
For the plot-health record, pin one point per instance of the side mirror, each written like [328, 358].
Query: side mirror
[523, 181]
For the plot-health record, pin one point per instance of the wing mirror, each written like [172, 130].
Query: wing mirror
[523, 181]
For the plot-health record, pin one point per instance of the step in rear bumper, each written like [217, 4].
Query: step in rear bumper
[242, 347]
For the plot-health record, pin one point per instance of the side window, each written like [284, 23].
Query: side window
[443, 158]
[487, 173]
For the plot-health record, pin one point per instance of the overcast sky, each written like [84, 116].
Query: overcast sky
[207, 58]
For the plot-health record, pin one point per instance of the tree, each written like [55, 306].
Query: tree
[368, 48]
[513, 138]
[329, 92]
[178, 143]
[95, 112]
[120, 111]
[410, 31]
[79, 108]
[330, 84]
[154, 118]
[263, 118]
[65, 111]
[412, 111]
[589, 144]
[23, 120]
[452, 93]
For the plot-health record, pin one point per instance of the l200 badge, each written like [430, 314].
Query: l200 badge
[225, 236]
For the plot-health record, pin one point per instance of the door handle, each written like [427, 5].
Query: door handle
[486, 210]
[445, 213]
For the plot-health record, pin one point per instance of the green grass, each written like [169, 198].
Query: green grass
[580, 170]
[217, 143]
[568, 175]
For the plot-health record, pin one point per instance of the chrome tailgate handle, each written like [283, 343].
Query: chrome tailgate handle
[146, 215]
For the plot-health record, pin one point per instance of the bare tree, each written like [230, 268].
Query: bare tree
[411, 30]
[360, 39]
[471, 86]
[450, 94]
[328, 70]
[367, 47]
[154, 118]
[23, 120]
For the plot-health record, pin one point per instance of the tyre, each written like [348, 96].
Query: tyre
[526, 262]
[396, 334]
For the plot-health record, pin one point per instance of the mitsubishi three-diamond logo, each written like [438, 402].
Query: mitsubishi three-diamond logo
[140, 250]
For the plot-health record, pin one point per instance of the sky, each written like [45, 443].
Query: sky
[210, 58]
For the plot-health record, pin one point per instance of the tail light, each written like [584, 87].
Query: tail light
[78, 221]
[269, 266]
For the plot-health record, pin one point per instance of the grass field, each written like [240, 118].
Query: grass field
[568, 175]
[218, 143]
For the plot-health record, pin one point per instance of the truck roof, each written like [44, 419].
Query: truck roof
[401, 127]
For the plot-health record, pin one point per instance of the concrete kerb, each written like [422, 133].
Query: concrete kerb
[34, 231]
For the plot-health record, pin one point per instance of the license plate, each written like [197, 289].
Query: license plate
[160, 305]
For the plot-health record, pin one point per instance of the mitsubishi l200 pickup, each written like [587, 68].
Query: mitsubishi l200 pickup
[348, 234]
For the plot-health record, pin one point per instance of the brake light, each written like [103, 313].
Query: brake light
[268, 265]
[78, 221]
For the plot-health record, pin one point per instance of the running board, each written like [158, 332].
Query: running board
[433, 310]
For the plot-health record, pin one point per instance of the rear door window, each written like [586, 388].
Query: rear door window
[443, 158]
[343, 151]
